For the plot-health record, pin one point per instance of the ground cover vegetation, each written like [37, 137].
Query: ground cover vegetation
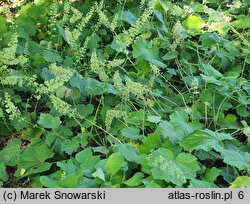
[126, 93]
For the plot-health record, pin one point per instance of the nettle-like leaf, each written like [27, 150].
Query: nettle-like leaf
[205, 140]
[175, 170]
[241, 160]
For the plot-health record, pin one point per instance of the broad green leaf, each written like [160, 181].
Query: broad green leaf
[209, 39]
[84, 155]
[31, 132]
[137, 117]
[179, 115]
[87, 161]
[38, 169]
[69, 146]
[49, 182]
[151, 142]
[177, 128]
[36, 12]
[132, 133]
[128, 17]
[242, 111]
[92, 87]
[206, 140]
[129, 152]
[64, 91]
[83, 110]
[211, 80]
[67, 166]
[228, 173]
[176, 149]
[135, 180]
[70, 181]
[94, 41]
[49, 121]
[3, 174]
[26, 26]
[188, 164]
[241, 182]
[11, 152]
[89, 86]
[154, 119]
[211, 174]
[143, 51]
[50, 56]
[241, 160]
[210, 71]
[88, 166]
[153, 184]
[206, 95]
[171, 55]
[241, 23]
[23, 123]
[34, 154]
[33, 158]
[114, 163]
[176, 170]
[87, 183]
[194, 24]
[169, 131]
[194, 183]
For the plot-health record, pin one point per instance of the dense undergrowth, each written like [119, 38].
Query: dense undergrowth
[124, 93]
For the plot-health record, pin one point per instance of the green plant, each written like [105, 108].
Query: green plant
[109, 94]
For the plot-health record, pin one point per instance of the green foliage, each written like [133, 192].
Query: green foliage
[177, 170]
[48, 121]
[205, 139]
[114, 163]
[241, 182]
[95, 94]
